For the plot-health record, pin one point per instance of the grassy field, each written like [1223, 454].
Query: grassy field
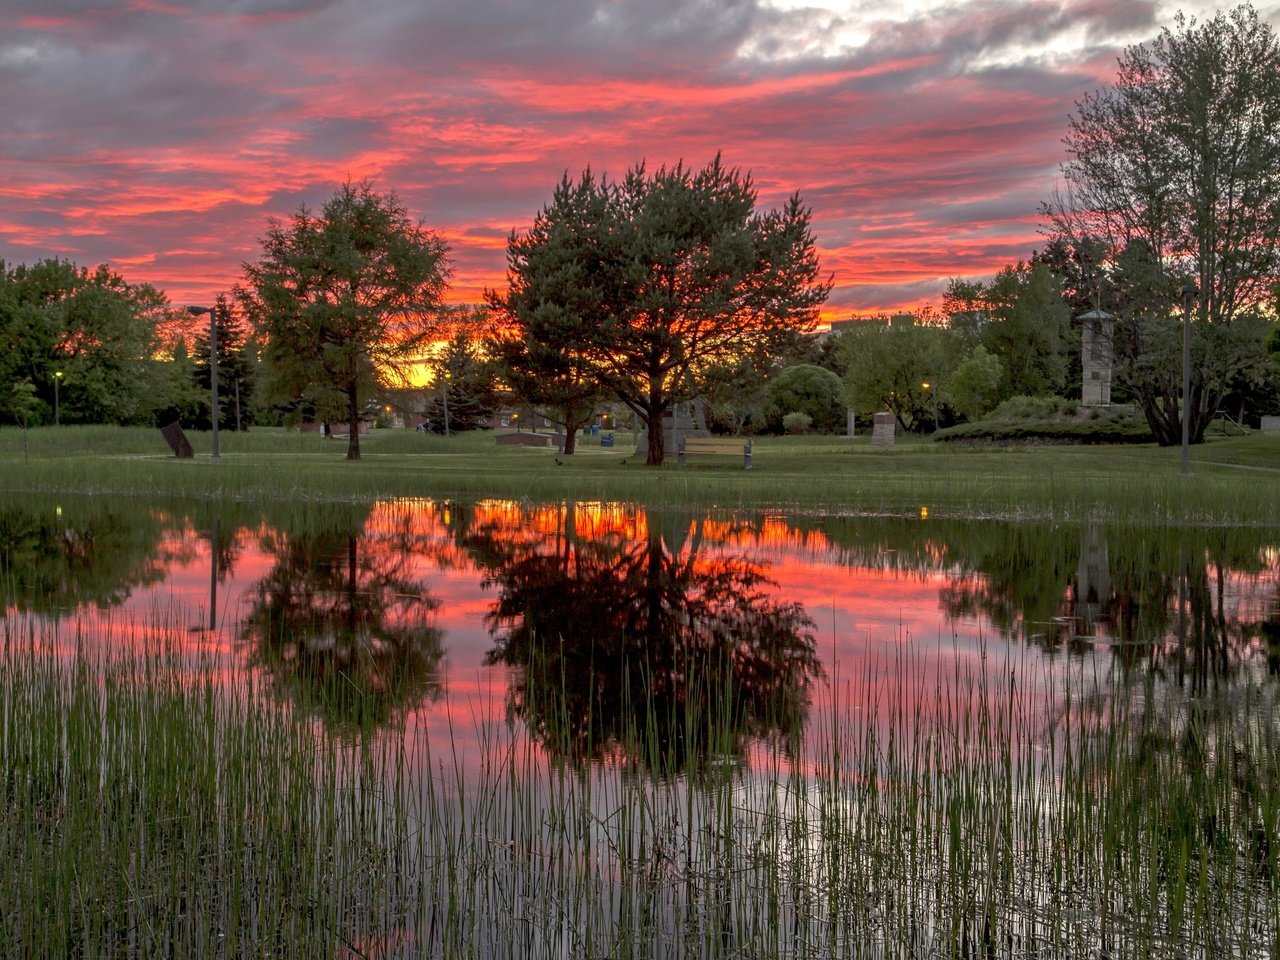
[1232, 479]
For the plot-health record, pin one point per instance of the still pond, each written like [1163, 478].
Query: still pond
[588, 729]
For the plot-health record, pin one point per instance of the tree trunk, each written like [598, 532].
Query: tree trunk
[1164, 415]
[571, 426]
[351, 587]
[657, 407]
[353, 423]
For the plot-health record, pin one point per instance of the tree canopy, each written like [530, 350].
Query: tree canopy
[1179, 158]
[645, 282]
[563, 283]
[809, 389]
[83, 338]
[345, 299]
[900, 367]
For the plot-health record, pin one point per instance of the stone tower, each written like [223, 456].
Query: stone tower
[1096, 354]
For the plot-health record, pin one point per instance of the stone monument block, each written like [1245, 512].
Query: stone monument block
[178, 441]
[1271, 424]
[882, 432]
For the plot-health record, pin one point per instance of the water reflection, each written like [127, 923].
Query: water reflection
[632, 642]
[564, 612]
[343, 626]
[1081, 750]
[52, 559]
[1187, 603]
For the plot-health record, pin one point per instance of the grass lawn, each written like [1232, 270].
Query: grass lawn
[1232, 479]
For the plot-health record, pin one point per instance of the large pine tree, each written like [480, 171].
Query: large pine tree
[637, 286]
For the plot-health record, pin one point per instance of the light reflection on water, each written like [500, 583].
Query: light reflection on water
[422, 616]
[435, 624]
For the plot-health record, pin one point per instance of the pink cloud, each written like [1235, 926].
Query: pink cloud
[160, 138]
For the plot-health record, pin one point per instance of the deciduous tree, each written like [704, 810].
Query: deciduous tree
[346, 299]
[1180, 155]
[975, 383]
[91, 326]
[1027, 329]
[886, 367]
[811, 390]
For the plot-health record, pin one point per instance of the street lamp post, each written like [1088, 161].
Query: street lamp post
[213, 367]
[933, 391]
[446, 404]
[57, 399]
[1189, 293]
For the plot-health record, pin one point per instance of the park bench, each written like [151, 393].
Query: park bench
[715, 446]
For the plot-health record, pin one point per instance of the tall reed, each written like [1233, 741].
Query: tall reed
[153, 810]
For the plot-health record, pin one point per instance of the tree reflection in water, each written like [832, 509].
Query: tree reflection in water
[631, 646]
[57, 554]
[343, 628]
[1164, 601]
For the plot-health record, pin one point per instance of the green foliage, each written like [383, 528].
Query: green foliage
[967, 310]
[814, 391]
[1173, 182]
[735, 395]
[90, 326]
[1049, 431]
[1051, 420]
[1035, 408]
[20, 402]
[564, 279]
[237, 382]
[345, 300]
[886, 367]
[682, 275]
[466, 379]
[975, 383]
[1027, 329]
[180, 398]
[797, 422]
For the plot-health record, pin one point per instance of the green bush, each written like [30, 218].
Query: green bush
[811, 390]
[1050, 431]
[1035, 408]
[797, 422]
[1052, 420]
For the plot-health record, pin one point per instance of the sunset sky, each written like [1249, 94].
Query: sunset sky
[159, 135]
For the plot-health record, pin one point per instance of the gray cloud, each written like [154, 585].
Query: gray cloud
[163, 138]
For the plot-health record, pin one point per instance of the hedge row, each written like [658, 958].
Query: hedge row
[1053, 430]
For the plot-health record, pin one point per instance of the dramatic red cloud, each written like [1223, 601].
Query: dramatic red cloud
[160, 137]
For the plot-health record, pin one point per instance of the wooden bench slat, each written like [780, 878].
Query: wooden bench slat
[731, 446]
[714, 445]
